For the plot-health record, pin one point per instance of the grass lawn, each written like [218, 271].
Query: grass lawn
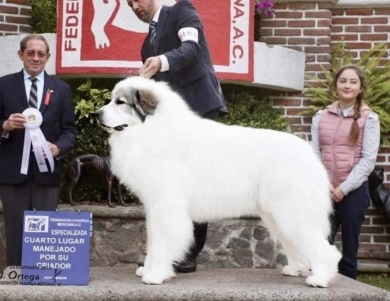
[379, 280]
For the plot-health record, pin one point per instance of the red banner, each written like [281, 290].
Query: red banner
[105, 37]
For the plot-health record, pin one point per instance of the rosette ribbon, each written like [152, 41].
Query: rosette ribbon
[33, 135]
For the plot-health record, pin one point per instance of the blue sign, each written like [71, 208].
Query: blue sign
[56, 248]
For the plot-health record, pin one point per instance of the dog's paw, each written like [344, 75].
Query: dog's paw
[316, 281]
[140, 271]
[158, 276]
[152, 279]
[290, 271]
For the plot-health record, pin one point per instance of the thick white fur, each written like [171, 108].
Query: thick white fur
[185, 168]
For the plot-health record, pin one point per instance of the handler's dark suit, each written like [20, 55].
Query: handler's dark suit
[192, 75]
[191, 71]
[58, 127]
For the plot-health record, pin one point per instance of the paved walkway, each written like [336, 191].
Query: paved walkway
[119, 283]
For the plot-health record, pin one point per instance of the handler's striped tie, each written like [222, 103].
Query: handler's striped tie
[33, 100]
[152, 32]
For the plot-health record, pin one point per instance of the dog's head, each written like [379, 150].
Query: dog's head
[132, 100]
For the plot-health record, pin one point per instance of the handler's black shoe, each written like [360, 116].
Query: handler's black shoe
[186, 266]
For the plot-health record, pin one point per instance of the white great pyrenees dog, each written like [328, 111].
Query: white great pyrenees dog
[185, 168]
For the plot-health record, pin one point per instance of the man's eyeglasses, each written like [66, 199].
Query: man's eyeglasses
[32, 53]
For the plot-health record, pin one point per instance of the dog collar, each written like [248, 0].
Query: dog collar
[116, 128]
[120, 127]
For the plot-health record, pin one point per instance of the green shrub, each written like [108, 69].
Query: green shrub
[247, 110]
[43, 15]
[322, 93]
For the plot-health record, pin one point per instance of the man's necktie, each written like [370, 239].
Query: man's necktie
[152, 33]
[33, 100]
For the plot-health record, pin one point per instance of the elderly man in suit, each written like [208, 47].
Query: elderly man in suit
[24, 185]
[176, 51]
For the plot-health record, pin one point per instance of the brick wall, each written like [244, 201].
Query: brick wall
[304, 27]
[312, 28]
[14, 17]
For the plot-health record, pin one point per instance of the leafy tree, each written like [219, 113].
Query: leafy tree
[43, 15]
[247, 110]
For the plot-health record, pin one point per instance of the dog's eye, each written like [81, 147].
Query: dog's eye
[119, 102]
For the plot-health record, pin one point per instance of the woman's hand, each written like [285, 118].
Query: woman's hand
[337, 195]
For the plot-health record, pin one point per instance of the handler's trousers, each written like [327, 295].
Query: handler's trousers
[16, 199]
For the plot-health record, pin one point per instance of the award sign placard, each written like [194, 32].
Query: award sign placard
[56, 248]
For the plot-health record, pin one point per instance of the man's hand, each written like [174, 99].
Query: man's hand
[151, 67]
[55, 151]
[14, 121]
[337, 195]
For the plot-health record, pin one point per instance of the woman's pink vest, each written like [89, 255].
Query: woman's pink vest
[339, 154]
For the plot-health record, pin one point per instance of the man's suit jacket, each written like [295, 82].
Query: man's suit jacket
[58, 127]
[191, 71]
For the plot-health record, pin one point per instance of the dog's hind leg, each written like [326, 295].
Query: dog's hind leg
[309, 240]
[324, 260]
[297, 266]
[169, 236]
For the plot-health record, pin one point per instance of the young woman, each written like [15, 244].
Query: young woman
[346, 136]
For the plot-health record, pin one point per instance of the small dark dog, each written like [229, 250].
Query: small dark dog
[101, 165]
[379, 194]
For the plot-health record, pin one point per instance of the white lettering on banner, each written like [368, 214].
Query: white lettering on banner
[68, 220]
[71, 241]
[42, 240]
[54, 249]
[69, 232]
[188, 34]
[56, 265]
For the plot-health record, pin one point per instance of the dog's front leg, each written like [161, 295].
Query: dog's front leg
[169, 236]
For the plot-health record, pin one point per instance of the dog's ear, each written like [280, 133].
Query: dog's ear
[148, 101]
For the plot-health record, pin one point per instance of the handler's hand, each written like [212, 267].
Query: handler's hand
[337, 195]
[151, 67]
[54, 149]
[14, 121]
